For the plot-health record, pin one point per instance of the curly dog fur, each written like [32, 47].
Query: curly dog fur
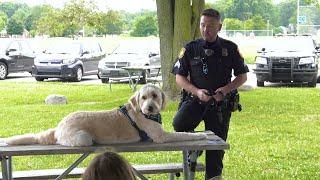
[84, 128]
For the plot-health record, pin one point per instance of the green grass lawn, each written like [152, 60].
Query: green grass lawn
[276, 136]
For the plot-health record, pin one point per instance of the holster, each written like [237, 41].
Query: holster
[233, 99]
[230, 102]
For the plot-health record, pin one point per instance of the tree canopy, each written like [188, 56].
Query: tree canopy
[79, 15]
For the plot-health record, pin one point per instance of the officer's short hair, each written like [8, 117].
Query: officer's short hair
[211, 13]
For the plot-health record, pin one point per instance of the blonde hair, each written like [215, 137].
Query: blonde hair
[108, 166]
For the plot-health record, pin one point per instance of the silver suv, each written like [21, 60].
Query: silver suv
[288, 59]
[129, 54]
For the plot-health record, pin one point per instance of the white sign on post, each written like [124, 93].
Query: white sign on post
[302, 19]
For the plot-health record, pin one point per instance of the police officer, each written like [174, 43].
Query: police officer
[204, 71]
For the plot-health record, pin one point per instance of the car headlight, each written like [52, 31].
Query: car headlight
[261, 60]
[306, 60]
[101, 64]
[69, 61]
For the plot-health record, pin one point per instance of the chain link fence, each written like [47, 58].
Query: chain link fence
[245, 33]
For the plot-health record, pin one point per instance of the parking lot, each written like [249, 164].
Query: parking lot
[93, 79]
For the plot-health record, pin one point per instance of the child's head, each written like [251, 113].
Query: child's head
[108, 166]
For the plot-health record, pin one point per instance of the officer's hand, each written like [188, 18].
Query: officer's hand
[222, 91]
[202, 95]
[218, 97]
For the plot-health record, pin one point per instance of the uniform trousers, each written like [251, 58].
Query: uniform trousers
[190, 114]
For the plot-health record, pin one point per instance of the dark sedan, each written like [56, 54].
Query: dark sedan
[15, 56]
[70, 61]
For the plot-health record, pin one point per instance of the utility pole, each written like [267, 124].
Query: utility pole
[298, 15]
[268, 24]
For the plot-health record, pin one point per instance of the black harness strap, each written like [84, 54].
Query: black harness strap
[143, 135]
[154, 117]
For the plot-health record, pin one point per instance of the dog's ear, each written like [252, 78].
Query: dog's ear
[134, 101]
[164, 100]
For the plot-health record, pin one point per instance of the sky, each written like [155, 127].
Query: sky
[127, 5]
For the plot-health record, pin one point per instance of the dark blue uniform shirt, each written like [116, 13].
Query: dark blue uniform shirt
[210, 70]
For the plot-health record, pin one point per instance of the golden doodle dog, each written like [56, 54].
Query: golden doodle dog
[137, 120]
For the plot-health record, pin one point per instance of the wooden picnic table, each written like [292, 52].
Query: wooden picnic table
[7, 152]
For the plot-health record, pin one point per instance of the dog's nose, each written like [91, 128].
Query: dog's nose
[150, 109]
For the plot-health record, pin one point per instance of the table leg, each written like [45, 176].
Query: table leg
[72, 166]
[9, 163]
[133, 85]
[185, 165]
[6, 167]
[141, 176]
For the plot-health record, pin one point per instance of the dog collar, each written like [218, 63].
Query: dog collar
[153, 117]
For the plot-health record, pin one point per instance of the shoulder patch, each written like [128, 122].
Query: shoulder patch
[177, 64]
[181, 53]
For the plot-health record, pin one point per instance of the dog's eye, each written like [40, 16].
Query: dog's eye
[154, 96]
[144, 97]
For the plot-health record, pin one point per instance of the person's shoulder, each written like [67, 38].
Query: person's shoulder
[228, 43]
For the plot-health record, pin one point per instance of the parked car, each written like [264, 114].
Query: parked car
[127, 55]
[15, 56]
[288, 59]
[70, 61]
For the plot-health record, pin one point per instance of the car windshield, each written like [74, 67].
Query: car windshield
[292, 44]
[69, 48]
[4, 43]
[137, 47]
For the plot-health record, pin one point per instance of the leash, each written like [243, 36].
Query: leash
[212, 102]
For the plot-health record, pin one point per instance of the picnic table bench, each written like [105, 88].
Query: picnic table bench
[140, 70]
[131, 80]
[7, 152]
[173, 169]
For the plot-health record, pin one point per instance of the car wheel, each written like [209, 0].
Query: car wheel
[105, 80]
[78, 74]
[39, 78]
[260, 83]
[318, 80]
[313, 83]
[3, 71]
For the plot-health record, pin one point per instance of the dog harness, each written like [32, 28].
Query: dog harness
[143, 135]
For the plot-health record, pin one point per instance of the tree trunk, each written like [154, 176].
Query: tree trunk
[178, 24]
[197, 8]
[165, 10]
